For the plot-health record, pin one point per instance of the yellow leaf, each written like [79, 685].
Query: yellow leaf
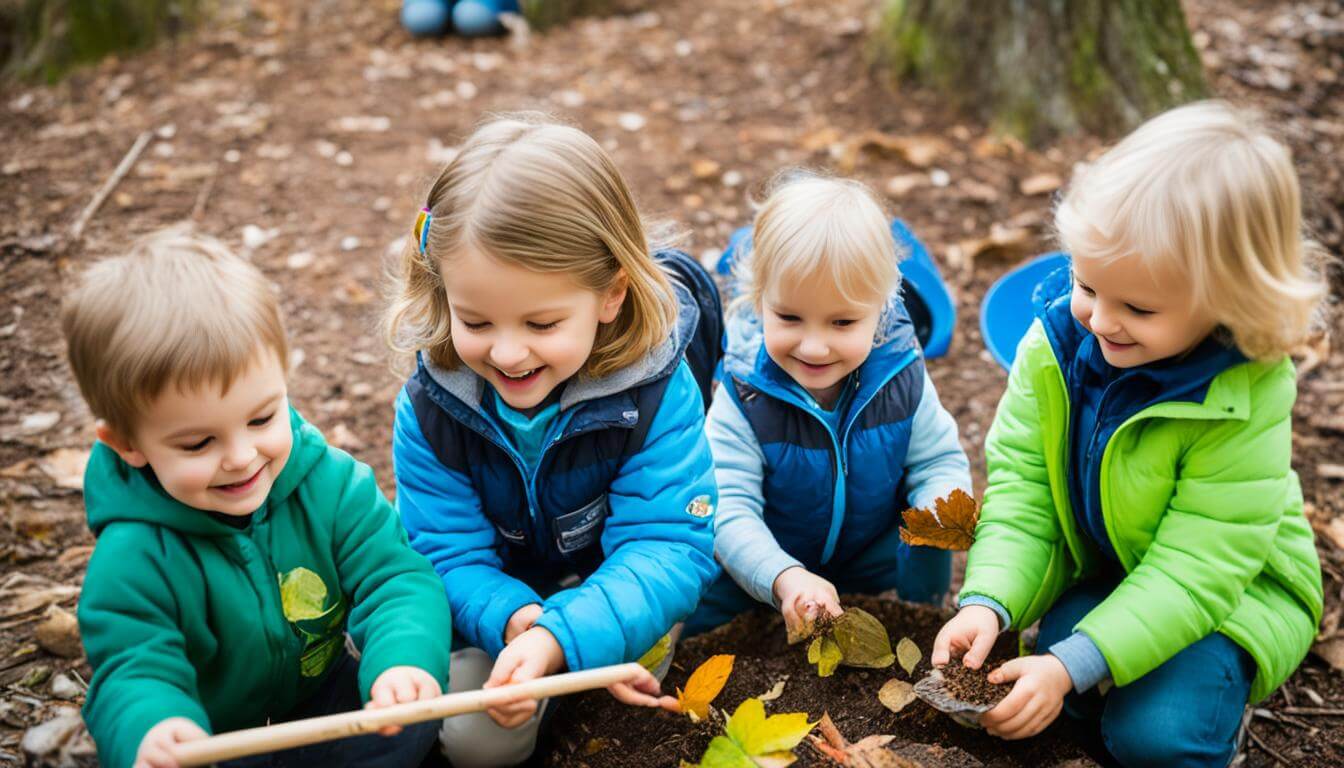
[759, 735]
[825, 653]
[953, 527]
[908, 654]
[655, 656]
[862, 640]
[705, 683]
[723, 752]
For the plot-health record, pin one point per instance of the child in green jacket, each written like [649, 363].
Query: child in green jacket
[1141, 501]
[235, 547]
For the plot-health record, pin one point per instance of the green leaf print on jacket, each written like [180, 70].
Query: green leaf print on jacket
[302, 595]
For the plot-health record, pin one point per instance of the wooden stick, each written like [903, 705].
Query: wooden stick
[1324, 711]
[77, 231]
[271, 738]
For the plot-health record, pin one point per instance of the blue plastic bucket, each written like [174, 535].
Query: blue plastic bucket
[1006, 313]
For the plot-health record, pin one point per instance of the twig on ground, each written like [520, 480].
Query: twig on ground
[1323, 711]
[1266, 748]
[123, 168]
[202, 197]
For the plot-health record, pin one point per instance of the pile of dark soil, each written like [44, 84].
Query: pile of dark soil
[593, 730]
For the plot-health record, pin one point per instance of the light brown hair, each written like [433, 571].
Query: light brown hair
[178, 309]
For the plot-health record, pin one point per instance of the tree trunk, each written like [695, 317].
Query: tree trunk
[1037, 68]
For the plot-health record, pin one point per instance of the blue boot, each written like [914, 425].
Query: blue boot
[424, 18]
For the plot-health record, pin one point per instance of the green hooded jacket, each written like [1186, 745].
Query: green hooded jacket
[1200, 503]
[185, 616]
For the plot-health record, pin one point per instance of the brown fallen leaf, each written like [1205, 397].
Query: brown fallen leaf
[951, 527]
[1331, 652]
[1003, 242]
[59, 633]
[775, 691]
[1040, 184]
[21, 593]
[896, 694]
[919, 151]
[65, 466]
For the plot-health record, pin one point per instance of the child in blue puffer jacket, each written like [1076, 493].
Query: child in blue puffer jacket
[550, 451]
[826, 425]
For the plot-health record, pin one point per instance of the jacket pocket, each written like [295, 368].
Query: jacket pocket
[579, 529]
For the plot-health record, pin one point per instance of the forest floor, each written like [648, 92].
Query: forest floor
[305, 134]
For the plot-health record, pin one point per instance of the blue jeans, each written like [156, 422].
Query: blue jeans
[340, 693]
[918, 574]
[1185, 712]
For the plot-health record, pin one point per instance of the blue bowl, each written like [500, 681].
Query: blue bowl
[926, 296]
[1007, 313]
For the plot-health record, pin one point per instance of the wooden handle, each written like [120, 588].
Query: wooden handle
[297, 733]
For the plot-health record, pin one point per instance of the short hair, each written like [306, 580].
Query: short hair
[178, 309]
[813, 227]
[1204, 192]
[545, 197]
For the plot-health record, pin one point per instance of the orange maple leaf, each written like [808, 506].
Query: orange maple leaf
[952, 528]
[704, 684]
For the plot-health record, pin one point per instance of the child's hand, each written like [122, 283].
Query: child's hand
[535, 653]
[521, 621]
[1036, 698]
[970, 634]
[155, 747]
[643, 690]
[398, 685]
[802, 595]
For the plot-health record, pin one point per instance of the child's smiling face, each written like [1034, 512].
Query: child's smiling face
[214, 450]
[1138, 317]
[525, 332]
[817, 335]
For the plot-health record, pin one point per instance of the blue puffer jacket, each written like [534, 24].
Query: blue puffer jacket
[623, 497]
[793, 490]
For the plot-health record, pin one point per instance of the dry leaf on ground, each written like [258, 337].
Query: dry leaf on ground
[950, 526]
[896, 694]
[908, 654]
[704, 684]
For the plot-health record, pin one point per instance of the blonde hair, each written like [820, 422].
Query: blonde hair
[1204, 192]
[813, 227]
[178, 308]
[547, 198]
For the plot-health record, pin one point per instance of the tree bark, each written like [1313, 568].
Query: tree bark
[1038, 68]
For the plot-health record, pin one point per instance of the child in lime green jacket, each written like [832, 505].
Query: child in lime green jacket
[1141, 502]
[235, 547]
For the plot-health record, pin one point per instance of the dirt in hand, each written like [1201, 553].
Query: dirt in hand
[972, 685]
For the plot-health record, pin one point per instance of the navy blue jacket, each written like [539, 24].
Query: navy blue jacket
[622, 496]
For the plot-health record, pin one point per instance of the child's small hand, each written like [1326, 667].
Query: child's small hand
[1036, 698]
[970, 634]
[155, 747]
[643, 690]
[521, 621]
[535, 653]
[398, 685]
[802, 595]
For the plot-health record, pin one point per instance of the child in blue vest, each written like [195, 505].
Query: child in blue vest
[826, 425]
[550, 452]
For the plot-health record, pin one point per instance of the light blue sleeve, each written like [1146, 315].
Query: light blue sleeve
[742, 541]
[1083, 659]
[990, 603]
[935, 464]
[658, 542]
[444, 521]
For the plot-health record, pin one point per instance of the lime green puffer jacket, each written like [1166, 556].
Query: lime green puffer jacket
[1199, 500]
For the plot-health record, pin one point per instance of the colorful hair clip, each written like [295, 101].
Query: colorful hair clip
[421, 230]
